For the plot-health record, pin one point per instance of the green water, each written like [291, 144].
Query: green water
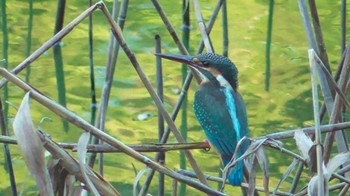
[288, 104]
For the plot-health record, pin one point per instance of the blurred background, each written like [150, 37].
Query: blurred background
[282, 102]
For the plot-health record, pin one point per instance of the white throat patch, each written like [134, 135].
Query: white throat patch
[223, 82]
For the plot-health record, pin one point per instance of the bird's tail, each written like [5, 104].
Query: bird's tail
[235, 178]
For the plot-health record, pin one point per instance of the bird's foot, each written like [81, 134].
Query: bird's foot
[207, 143]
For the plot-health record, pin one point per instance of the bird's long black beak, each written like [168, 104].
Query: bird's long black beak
[189, 60]
[178, 58]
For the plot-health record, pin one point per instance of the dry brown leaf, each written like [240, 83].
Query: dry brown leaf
[252, 177]
[138, 179]
[69, 185]
[31, 146]
[303, 142]
[82, 150]
[286, 174]
[313, 186]
[264, 165]
[335, 163]
[57, 175]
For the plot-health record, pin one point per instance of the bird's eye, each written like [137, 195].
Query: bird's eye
[205, 64]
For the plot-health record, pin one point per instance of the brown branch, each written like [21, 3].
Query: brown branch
[104, 148]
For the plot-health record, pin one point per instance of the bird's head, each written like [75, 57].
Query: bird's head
[211, 67]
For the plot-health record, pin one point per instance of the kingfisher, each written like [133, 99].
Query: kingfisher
[218, 106]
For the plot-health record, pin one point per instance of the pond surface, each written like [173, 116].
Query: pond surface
[288, 104]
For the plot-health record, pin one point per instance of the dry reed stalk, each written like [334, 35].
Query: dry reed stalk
[332, 83]
[318, 34]
[105, 148]
[211, 23]
[202, 28]
[319, 146]
[343, 80]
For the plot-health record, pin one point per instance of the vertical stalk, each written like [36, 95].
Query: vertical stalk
[186, 42]
[343, 26]
[57, 50]
[205, 36]
[5, 53]
[315, 99]
[92, 78]
[268, 46]
[211, 22]
[7, 151]
[297, 178]
[111, 63]
[224, 53]
[113, 52]
[160, 117]
[92, 72]
[225, 29]
[29, 36]
[336, 110]
[343, 45]
[319, 36]
[175, 185]
[307, 25]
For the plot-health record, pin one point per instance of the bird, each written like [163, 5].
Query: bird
[218, 106]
